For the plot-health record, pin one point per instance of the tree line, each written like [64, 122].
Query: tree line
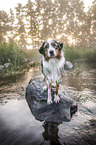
[63, 20]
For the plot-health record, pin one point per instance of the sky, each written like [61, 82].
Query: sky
[7, 4]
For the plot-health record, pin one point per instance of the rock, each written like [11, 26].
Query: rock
[68, 65]
[37, 101]
[1, 67]
[6, 65]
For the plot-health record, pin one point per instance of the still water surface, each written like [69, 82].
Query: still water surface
[19, 127]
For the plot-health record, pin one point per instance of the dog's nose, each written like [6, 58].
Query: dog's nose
[51, 52]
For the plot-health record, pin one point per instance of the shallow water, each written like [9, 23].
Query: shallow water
[18, 125]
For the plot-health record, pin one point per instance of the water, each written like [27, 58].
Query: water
[18, 126]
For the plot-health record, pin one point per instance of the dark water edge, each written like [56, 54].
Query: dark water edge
[18, 126]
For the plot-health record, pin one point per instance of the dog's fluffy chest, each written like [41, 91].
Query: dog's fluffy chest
[53, 69]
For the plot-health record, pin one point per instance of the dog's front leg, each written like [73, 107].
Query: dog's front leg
[49, 100]
[45, 83]
[56, 98]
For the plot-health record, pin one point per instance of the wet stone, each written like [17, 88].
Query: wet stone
[37, 100]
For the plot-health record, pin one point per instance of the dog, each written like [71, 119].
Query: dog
[52, 64]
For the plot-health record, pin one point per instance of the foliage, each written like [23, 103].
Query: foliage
[90, 55]
[4, 25]
[37, 21]
[72, 54]
[10, 52]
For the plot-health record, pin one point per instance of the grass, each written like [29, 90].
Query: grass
[12, 54]
[72, 54]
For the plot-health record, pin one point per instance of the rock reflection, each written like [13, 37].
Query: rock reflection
[51, 133]
[51, 130]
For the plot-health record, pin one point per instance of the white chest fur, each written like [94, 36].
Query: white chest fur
[53, 68]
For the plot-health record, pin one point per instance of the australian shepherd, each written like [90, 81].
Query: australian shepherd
[52, 64]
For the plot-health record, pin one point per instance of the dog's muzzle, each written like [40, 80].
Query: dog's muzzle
[51, 53]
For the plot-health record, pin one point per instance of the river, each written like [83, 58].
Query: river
[19, 127]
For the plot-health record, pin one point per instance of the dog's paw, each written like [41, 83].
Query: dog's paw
[45, 88]
[49, 101]
[56, 99]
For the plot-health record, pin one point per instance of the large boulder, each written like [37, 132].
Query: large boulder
[37, 100]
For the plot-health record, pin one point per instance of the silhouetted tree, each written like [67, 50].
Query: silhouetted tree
[32, 23]
[20, 26]
[4, 25]
[91, 24]
[43, 19]
[12, 20]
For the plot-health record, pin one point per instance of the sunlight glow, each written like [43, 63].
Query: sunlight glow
[49, 39]
[42, 11]
[50, 21]
[29, 46]
[53, 1]
[71, 40]
[12, 4]
[17, 38]
[29, 40]
[58, 37]
[64, 17]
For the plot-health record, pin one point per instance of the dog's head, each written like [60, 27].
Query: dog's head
[51, 49]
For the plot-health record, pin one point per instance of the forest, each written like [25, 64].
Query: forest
[22, 31]
[63, 20]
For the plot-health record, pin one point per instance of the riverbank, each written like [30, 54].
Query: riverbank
[13, 60]
[8, 70]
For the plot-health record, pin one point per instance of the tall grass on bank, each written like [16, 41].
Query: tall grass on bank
[10, 52]
[13, 57]
[72, 54]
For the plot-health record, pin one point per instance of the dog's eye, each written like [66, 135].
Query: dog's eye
[46, 46]
[53, 44]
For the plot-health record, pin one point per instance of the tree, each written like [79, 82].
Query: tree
[92, 25]
[20, 26]
[4, 25]
[31, 18]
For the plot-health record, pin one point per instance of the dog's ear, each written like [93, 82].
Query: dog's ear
[41, 50]
[60, 46]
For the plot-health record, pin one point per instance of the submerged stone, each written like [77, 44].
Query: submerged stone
[37, 100]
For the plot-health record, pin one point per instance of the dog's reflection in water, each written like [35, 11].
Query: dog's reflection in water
[51, 129]
[51, 133]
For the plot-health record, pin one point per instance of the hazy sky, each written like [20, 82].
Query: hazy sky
[7, 4]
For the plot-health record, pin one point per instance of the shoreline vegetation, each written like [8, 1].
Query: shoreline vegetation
[14, 61]
[73, 53]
